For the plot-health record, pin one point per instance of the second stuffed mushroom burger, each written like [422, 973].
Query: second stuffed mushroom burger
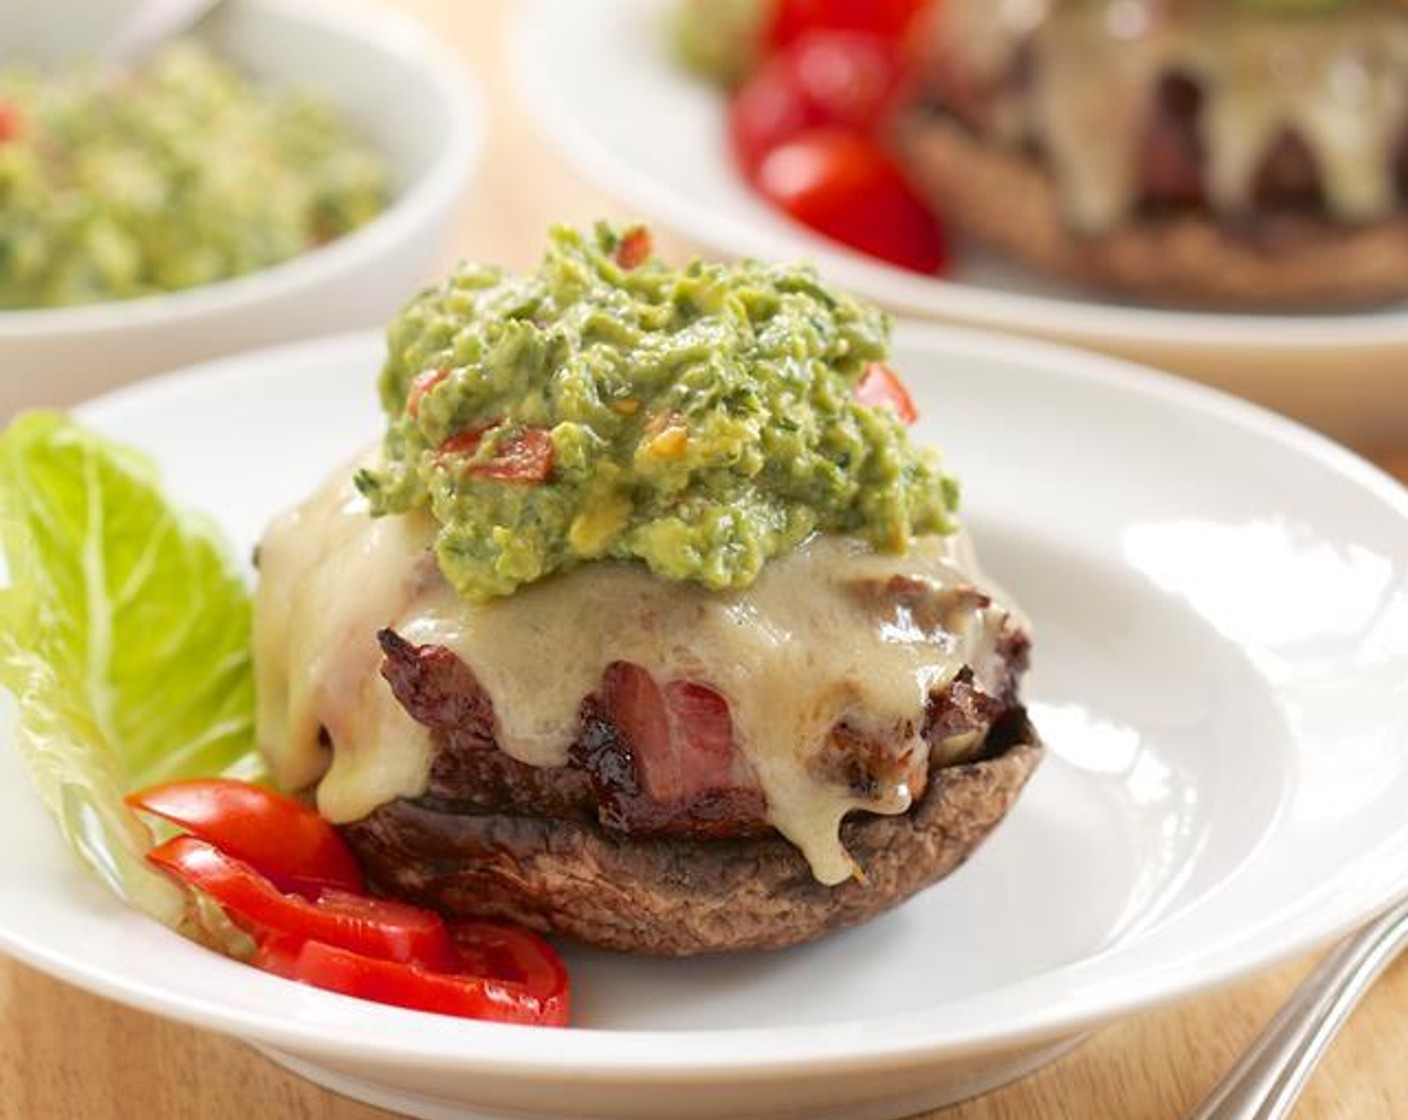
[1225, 153]
[647, 624]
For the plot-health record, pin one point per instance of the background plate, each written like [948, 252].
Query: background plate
[598, 77]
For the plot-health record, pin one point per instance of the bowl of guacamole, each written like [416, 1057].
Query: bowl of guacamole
[282, 172]
[180, 172]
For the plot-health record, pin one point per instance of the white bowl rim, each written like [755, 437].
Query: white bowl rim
[390, 1035]
[434, 190]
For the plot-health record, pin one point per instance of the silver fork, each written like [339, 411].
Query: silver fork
[1265, 1083]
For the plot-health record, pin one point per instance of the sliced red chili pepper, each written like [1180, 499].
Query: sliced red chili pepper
[635, 248]
[283, 839]
[423, 383]
[880, 387]
[408, 985]
[372, 926]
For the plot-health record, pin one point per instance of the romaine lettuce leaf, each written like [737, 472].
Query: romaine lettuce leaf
[125, 638]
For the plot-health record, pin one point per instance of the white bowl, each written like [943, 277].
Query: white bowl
[1220, 601]
[402, 89]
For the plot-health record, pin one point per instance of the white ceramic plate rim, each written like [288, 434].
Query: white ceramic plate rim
[567, 122]
[434, 190]
[1052, 1004]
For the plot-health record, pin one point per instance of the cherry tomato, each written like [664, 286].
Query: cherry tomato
[283, 839]
[337, 969]
[881, 387]
[847, 187]
[887, 18]
[371, 926]
[844, 78]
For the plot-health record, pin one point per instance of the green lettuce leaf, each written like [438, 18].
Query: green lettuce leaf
[125, 639]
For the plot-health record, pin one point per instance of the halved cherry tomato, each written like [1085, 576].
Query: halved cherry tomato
[10, 122]
[423, 383]
[845, 186]
[409, 985]
[283, 839]
[371, 926]
[881, 387]
[848, 79]
[888, 18]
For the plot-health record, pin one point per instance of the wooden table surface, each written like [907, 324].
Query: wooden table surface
[66, 1055]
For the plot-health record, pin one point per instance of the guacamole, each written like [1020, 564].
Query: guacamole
[177, 174]
[698, 420]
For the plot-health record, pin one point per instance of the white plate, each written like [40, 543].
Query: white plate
[599, 78]
[1221, 607]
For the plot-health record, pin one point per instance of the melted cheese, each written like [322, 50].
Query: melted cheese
[796, 653]
[330, 577]
[1339, 82]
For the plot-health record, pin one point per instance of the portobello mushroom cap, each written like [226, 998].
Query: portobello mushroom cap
[678, 896]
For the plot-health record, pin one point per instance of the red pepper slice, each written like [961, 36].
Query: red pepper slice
[336, 969]
[880, 387]
[844, 185]
[371, 926]
[283, 839]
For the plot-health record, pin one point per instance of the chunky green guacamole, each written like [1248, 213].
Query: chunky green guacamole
[177, 174]
[699, 420]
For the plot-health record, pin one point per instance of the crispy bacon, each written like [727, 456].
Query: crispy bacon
[661, 759]
[681, 735]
